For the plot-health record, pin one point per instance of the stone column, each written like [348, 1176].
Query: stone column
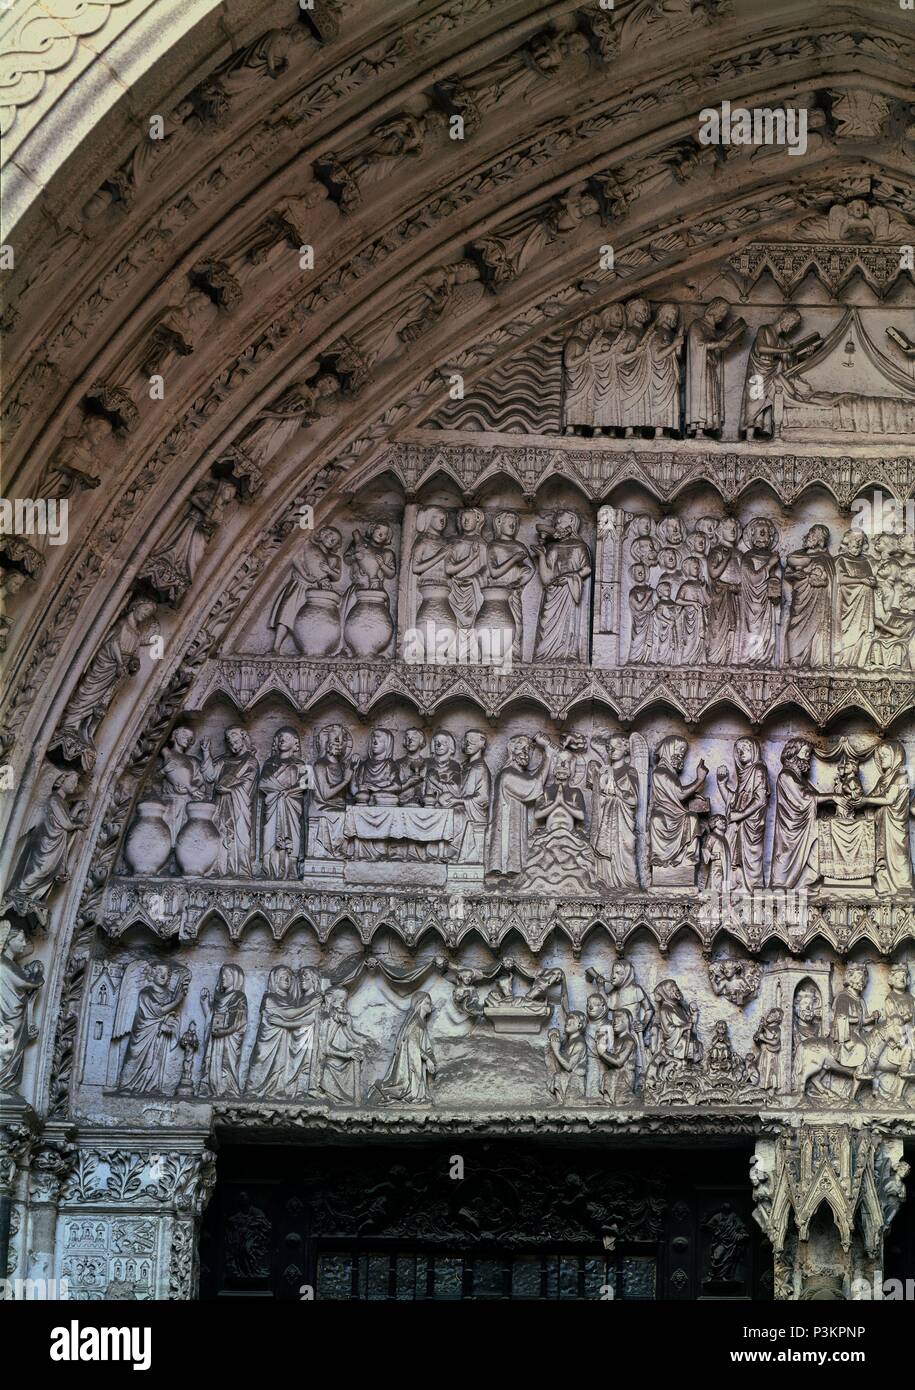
[52, 1162]
[129, 1216]
[18, 1126]
[826, 1194]
[189, 1201]
[608, 564]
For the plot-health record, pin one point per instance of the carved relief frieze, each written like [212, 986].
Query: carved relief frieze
[344, 1023]
[245, 680]
[170, 908]
[597, 470]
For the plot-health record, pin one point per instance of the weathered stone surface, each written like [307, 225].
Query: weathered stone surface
[473, 688]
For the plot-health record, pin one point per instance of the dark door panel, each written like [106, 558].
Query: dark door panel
[494, 1221]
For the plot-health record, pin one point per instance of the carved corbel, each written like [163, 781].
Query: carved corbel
[177, 332]
[237, 466]
[613, 194]
[17, 556]
[114, 403]
[601, 32]
[349, 363]
[339, 182]
[286, 223]
[116, 191]
[455, 99]
[216, 279]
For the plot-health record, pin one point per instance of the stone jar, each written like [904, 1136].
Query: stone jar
[495, 616]
[317, 623]
[435, 620]
[197, 845]
[368, 628]
[149, 841]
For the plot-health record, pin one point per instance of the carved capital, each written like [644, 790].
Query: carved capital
[178, 1181]
[16, 1144]
[216, 279]
[53, 1161]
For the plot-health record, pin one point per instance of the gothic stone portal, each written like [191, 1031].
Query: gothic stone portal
[474, 695]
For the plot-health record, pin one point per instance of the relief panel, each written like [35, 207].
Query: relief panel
[342, 1025]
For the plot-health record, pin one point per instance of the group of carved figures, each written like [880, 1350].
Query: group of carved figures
[319, 618]
[475, 581]
[553, 820]
[228, 815]
[553, 817]
[718, 594]
[625, 1043]
[306, 1046]
[634, 370]
[864, 843]
[624, 372]
[468, 579]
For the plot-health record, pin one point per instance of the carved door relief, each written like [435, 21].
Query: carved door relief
[521, 1223]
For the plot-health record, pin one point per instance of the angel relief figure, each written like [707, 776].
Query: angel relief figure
[44, 860]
